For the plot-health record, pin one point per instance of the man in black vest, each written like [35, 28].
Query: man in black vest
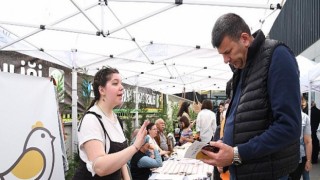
[263, 122]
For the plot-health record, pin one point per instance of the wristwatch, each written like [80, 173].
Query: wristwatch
[236, 157]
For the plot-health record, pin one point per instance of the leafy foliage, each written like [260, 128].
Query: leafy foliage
[128, 116]
[175, 110]
[60, 87]
[86, 90]
[73, 164]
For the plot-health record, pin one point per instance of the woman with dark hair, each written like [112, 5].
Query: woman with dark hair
[206, 121]
[152, 131]
[186, 132]
[103, 147]
[184, 110]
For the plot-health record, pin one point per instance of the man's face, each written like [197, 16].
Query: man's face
[235, 52]
[161, 125]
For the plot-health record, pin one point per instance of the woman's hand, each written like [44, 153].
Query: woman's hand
[182, 139]
[141, 135]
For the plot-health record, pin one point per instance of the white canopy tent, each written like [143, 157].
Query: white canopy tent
[162, 45]
[309, 77]
[159, 44]
[306, 66]
[309, 74]
[314, 78]
[314, 83]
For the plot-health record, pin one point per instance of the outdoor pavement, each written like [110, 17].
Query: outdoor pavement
[315, 172]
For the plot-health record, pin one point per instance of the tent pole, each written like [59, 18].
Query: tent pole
[309, 99]
[136, 122]
[102, 5]
[39, 30]
[142, 18]
[85, 15]
[207, 3]
[145, 55]
[74, 105]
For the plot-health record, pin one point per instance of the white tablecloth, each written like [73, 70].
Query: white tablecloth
[178, 167]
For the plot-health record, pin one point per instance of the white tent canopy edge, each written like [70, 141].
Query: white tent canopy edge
[77, 40]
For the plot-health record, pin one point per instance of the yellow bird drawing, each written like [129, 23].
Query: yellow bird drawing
[37, 158]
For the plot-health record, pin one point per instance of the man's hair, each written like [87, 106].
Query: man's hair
[158, 121]
[231, 25]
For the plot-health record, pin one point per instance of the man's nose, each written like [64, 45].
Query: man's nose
[226, 58]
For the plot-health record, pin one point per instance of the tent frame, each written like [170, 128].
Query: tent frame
[100, 31]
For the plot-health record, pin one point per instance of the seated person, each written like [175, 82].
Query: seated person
[152, 131]
[177, 133]
[141, 162]
[186, 133]
[161, 138]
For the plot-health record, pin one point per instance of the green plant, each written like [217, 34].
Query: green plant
[60, 87]
[193, 117]
[73, 165]
[129, 107]
[85, 90]
[175, 110]
[143, 110]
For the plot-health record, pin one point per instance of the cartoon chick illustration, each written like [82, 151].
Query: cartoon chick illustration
[37, 158]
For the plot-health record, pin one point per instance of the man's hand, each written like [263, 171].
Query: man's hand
[222, 158]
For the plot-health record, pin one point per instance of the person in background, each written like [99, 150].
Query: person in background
[186, 132]
[206, 122]
[220, 172]
[183, 111]
[315, 119]
[145, 159]
[304, 105]
[263, 121]
[161, 138]
[318, 133]
[305, 149]
[103, 147]
[152, 131]
[219, 112]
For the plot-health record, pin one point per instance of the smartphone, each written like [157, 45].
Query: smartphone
[201, 155]
[211, 148]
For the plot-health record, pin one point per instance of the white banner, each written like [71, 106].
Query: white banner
[29, 129]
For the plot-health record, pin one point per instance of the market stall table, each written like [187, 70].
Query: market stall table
[178, 167]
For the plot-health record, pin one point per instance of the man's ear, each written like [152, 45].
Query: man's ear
[245, 39]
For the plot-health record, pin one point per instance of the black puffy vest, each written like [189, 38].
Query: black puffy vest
[254, 116]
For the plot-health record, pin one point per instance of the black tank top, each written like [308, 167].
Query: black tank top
[82, 172]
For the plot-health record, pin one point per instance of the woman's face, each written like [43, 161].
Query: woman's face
[221, 108]
[181, 125]
[153, 131]
[113, 90]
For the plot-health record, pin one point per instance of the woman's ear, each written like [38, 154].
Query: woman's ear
[102, 90]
